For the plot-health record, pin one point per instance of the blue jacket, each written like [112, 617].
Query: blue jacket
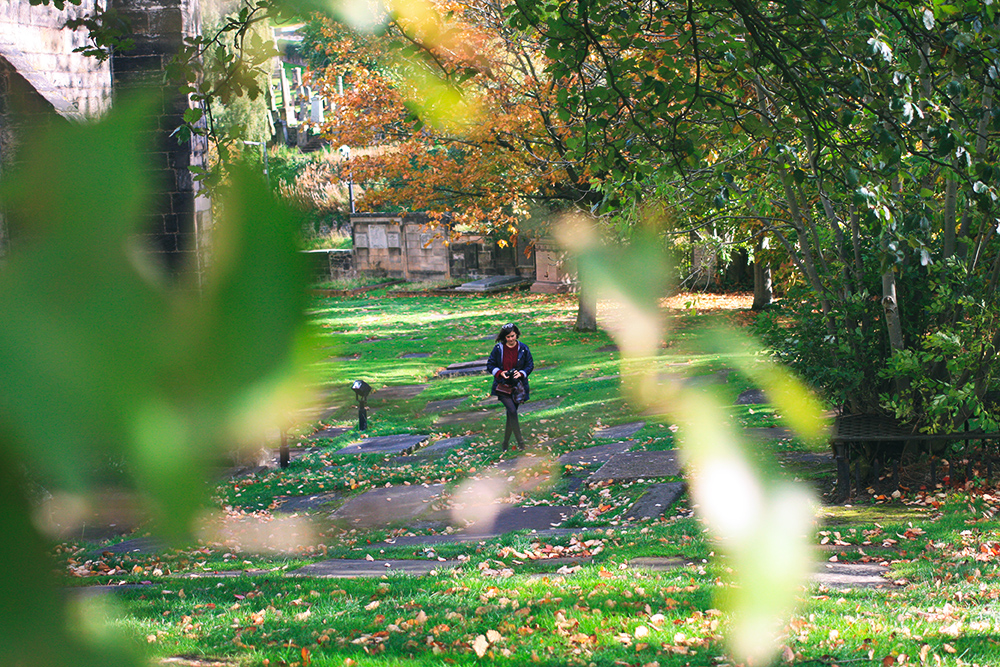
[525, 364]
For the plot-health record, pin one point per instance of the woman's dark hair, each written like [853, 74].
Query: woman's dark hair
[506, 329]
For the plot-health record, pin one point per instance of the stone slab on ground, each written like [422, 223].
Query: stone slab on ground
[619, 432]
[768, 433]
[639, 465]
[463, 368]
[851, 575]
[415, 355]
[439, 448]
[462, 418]
[139, 545]
[657, 500]
[608, 348]
[397, 392]
[537, 406]
[494, 284]
[445, 404]
[385, 444]
[511, 519]
[305, 504]
[386, 506]
[330, 432]
[351, 569]
[596, 454]
[462, 537]
[752, 397]
[658, 564]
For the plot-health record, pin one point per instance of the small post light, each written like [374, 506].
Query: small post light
[361, 390]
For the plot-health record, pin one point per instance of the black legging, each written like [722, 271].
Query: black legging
[512, 426]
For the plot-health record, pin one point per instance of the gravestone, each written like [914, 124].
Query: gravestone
[752, 397]
[439, 448]
[390, 505]
[537, 406]
[351, 569]
[397, 392]
[442, 405]
[462, 418]
[658, 564]
[511, 519]
[596, 454]
[139, 545]
[386, 444]
[851, 575]
[303, 504]
[463, 368]
[493, 284]
[620, 432]
[657, 500]
[330, 432]
[768, 433]
[638, 465]
[415, 355]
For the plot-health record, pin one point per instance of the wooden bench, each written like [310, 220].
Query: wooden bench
[852, 430]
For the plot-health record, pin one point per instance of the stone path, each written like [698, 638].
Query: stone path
[305, 504]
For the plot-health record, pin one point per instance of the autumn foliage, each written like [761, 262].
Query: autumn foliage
[460, 119]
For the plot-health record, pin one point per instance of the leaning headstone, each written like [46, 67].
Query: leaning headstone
[386, 444]
[639, 465]
[350, 569]
[657, 500]
[387, 506]
[620, 432]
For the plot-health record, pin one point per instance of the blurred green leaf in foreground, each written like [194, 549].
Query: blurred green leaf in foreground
[105, 360]
[760, 523]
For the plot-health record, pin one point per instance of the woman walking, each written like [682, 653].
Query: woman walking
[510, 363]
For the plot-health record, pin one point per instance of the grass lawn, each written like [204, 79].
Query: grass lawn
[228, 599]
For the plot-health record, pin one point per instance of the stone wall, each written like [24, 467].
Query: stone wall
[180, 219]
[34, 40]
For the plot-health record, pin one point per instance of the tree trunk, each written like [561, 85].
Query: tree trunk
[762, 294]
[586, 314]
